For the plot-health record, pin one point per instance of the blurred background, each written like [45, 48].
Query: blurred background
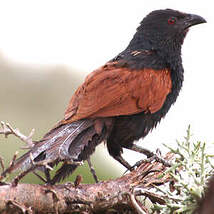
[48, 47]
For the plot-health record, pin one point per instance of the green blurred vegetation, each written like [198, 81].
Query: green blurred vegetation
[36, 97]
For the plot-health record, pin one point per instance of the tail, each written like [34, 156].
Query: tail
[67, 142]
[64, 171]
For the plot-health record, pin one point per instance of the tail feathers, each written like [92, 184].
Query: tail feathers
[81, 150]
[63, 172]
[56, 144]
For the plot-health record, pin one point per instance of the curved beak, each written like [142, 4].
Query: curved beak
[192, 19]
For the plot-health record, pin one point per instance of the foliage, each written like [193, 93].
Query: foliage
[190, 171]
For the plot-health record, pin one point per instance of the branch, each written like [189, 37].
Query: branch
[119, 194]
[7, 129]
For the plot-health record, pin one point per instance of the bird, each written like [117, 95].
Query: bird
[121, 101]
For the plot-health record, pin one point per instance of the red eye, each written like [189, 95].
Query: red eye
[172, 20]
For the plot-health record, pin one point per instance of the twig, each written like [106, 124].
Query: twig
[41, 163]
[9, 169]
[140, 209]
[154, 198]
[56, 199]
[40, 177]
[7, 130]
[35, 165]
[20, 207]
[13, 159]
[2, 164]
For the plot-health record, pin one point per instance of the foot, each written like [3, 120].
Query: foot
[151, 156]
[149, 160]
[121, 160]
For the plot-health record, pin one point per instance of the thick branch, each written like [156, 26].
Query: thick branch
[119, 194]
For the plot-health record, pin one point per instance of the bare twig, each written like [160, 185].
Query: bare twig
[7, 130]
[20, 207]
[139, 208]
[43, 163]
[2, 163]
[154, 198]
[13, 159]
[56, 199]
[10, 168]
[40, 177]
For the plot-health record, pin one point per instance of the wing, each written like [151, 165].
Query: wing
[113, 91]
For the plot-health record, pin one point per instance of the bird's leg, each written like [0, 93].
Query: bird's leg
[121, 160]
[150, 155]
[141, 150]
[39, 176]
[47, 178]
[92, 170]
[47, 175]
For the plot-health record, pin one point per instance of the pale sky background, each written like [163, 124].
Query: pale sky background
[85, 34]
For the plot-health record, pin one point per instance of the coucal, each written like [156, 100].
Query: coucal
[121, 101]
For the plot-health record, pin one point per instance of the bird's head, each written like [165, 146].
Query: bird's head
[162, 28]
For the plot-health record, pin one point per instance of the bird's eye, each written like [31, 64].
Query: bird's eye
[172, 20]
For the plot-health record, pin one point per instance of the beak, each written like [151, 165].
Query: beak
[192, 19]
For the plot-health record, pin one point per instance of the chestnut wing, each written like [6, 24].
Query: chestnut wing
[112, 91]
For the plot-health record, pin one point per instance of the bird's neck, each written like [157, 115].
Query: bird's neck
[167, 49]
[138, 42]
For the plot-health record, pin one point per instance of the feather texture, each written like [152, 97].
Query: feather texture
[111, 91]
[68, 142]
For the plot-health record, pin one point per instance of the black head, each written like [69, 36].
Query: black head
[163, 28]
